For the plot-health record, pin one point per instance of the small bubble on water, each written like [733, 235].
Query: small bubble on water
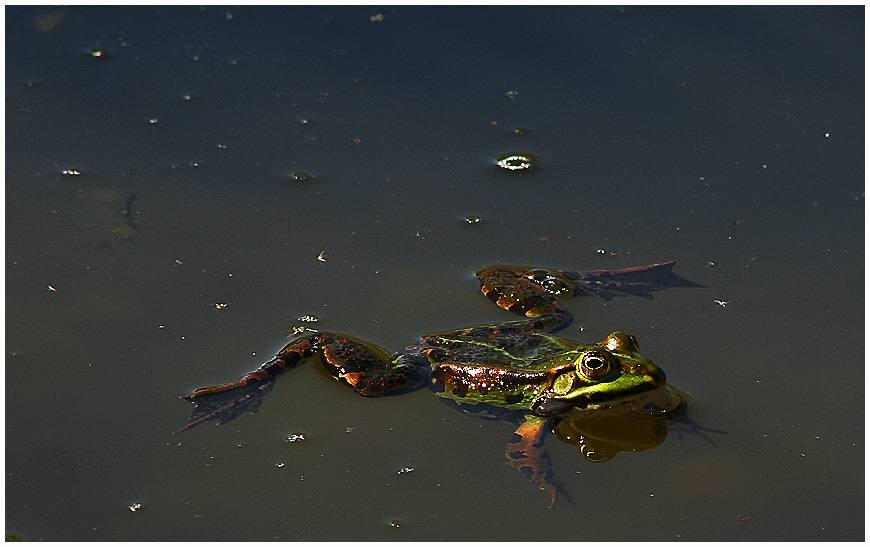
[516, 162]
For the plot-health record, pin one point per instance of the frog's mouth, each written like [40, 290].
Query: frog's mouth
[638, 381]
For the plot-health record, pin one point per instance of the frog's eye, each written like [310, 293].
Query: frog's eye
[594, 365]
[621, 341]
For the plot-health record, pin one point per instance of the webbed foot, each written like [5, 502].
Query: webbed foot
[640, 281]
[226, 403]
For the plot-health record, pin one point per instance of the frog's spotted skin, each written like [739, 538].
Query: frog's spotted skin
[504, 370]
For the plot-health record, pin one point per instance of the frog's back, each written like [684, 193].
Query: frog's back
[521, 352]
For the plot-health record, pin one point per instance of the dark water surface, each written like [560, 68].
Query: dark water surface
[729, 139]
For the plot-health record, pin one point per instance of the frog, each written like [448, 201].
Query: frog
[518, 371]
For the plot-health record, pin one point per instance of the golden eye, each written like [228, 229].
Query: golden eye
[594, 366]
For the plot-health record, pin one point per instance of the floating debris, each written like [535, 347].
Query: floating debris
[295, 437]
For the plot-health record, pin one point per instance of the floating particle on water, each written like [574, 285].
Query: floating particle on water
[473, 219]
[516, 162]
[279, 464]
[512, 94]
[135, 507]
[97, 52]
[295, 437]
[322, 256]
[397, 523]
[71, 172]
[220, 305]
[300, 176]
[376, 18]
[306, 121]
[309, 319]
[405, 470]
[520, 131]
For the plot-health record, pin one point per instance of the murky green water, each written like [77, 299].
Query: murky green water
[729, 139]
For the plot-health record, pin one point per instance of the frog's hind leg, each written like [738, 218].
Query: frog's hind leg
[227, 402]
[530, 292]
[363, 366]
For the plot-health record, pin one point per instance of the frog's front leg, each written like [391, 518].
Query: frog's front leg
[361, 365]
[526, 454]
[529, 291]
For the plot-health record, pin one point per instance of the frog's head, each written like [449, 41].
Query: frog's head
[606, 378]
